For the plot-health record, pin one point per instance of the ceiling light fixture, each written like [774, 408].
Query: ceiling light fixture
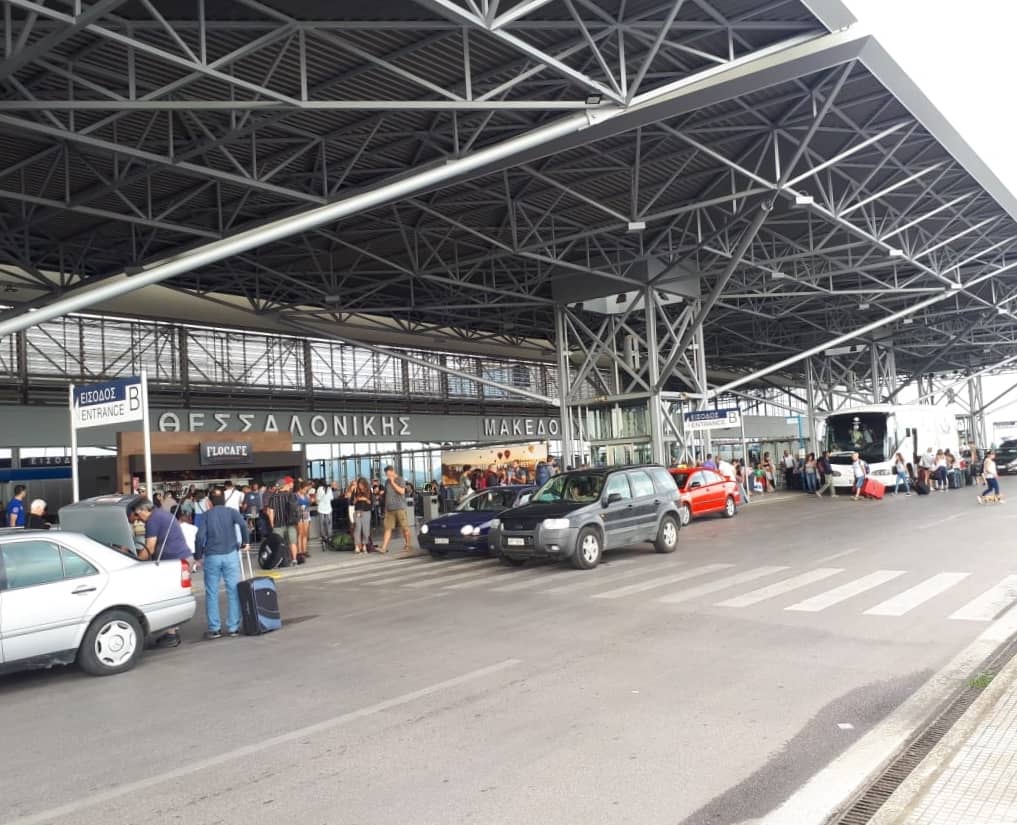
[594, 100]
[636, 226]
[863, 306]
[896, 252]
[804, 199]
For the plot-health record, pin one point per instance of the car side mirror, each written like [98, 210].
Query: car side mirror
[611, 499]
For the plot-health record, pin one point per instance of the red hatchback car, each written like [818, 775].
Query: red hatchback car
[702, 490]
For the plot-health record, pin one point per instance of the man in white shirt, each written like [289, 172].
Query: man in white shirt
[189, 530]
[788, 464]
[323, 495]
[233, 497]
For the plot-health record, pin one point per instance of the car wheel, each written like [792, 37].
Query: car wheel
[667, 536]
[685, 515]
[588, 549]
[729, 507]
[511, 561]
[112, 644]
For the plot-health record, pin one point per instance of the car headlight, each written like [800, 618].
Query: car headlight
[467, 529]
[494, 523]
[424, 530]
[1012, 465]
[556, 524]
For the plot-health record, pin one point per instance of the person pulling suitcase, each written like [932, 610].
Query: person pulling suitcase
[216, 551]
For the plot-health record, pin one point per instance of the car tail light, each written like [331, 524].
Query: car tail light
[185, 573]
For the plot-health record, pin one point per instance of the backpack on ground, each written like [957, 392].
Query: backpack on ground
[921, 488]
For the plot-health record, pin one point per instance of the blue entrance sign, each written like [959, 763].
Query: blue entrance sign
[712, 419]
[112, 402]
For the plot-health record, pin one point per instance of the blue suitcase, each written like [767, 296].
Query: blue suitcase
[259, 605]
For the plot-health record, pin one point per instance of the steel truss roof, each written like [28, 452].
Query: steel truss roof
[134, 130]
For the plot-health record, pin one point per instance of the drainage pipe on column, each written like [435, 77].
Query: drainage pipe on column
[304, 221]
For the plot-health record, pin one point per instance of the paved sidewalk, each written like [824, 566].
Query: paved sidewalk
[970, 777]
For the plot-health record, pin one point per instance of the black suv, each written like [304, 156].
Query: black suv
[578, 515]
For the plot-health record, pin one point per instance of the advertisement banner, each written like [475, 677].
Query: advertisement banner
[516, 463]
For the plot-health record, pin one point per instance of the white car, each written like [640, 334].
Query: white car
[66, 598]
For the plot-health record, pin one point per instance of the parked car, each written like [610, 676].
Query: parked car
[465, 529]
[702, 490]
[64, 598]
[1006, 457]
[578, 515]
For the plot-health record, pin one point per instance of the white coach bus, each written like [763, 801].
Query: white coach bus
[880, 431]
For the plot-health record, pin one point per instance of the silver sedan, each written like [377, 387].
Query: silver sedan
[67, 598]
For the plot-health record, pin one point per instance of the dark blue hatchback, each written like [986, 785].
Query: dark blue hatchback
[465, 529]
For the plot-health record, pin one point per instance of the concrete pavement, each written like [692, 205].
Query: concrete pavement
[702, 687]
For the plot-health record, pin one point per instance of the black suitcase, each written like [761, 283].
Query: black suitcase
[259, 604]
[954, 479]
[271, 552]
[921, 488]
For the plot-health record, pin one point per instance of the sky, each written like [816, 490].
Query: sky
[961, 54]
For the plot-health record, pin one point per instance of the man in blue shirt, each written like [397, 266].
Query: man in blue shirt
[16, 508]
[221, 532]
[163, 540]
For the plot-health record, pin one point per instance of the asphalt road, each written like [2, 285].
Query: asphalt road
[700, 688]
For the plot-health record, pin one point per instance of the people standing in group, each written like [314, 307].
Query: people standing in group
[283, 513]
[395, 511]
[232, 497]
[16, 515]
[201, 506]
[253, 503]
[858, 472]
[991, 478]
[186, 505]
[811, 473]
[492, 478]
[361, 504]
[900, 469]
[825, 468]
[216, 544]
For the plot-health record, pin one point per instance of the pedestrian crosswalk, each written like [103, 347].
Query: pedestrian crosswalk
[725, 586]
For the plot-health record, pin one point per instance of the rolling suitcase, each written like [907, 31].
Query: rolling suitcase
[921, 488]
[271, 552]
[954, 479]
[873, 489]
[259, 602]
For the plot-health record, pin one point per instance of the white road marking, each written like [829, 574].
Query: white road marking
[829, 789]
[661, 581]
[384, 572]
[991, 603]
[260, 746]
[523, 579]
[780, 588]
[596, 580]
[432, 570]
[933, 524]
[495, 574]
[720, 584]
[846, 591]
[919, 594]
[451, 576]
[834, 556]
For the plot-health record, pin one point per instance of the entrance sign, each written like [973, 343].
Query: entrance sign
[712, 419]
[121, 401]
[112, 402]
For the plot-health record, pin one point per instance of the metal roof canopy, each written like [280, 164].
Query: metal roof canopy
[440, 164]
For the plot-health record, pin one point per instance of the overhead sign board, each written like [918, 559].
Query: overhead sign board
[225, 452]
[712, 419]
[112, 402]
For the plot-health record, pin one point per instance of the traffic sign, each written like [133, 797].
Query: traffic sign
[712, 419]
[112, 402]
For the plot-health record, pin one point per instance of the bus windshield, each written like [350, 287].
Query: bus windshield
[864, 433]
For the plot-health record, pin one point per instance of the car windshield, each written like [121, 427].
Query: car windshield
[864, 433]
[488, 501]
[582, 487]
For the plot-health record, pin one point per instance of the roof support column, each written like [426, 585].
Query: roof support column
[810, 396]
[561, 343]
[977, 427]
[654, 411]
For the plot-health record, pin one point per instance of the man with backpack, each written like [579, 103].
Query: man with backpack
[826, 475]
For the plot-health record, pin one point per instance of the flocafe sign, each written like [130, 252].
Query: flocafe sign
[360, 427]
[225, 452]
